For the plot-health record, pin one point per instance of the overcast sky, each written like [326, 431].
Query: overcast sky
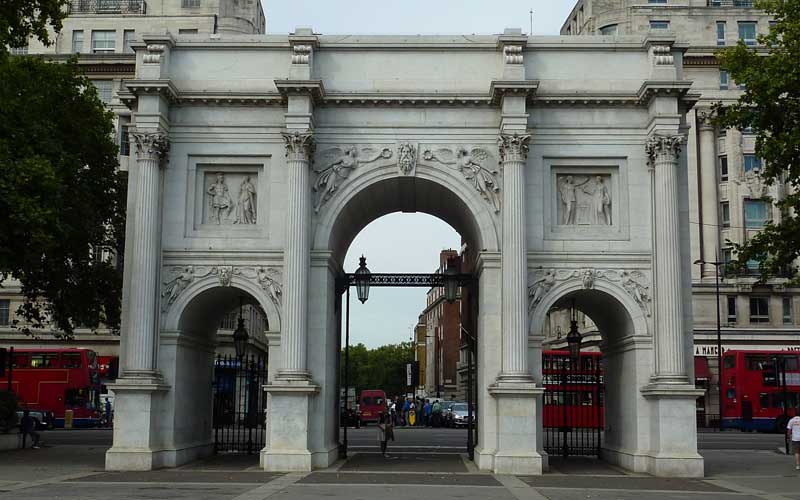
[406, 242]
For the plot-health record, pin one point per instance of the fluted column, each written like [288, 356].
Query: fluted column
[296, 257]
[663, 154]
[709, 184]
[144, 258]
[513, 153]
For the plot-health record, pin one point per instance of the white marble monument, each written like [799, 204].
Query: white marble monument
[259, 159]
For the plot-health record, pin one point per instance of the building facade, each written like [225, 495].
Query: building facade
[725, 190]
[257, 174]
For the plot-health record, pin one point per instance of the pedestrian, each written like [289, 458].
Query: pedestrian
[27, 426]
[108, 413]
[436, 410]
[427, 410]
[393, 412]
[385, 432]
[406, 407]
[793, 432]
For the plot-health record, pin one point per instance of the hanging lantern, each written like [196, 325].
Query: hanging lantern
[450, 281]
[240, 336]
[574, 336]
[362, 280]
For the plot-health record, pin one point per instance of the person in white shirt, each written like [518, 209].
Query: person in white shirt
[793, 428]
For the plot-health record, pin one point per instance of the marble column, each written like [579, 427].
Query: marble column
[296, 257]
[709, 192]
[663, 154]
[144, 259]
[513, 154]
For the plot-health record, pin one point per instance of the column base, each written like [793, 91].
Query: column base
[519, 451]
[673, 429]
[288, 426]
[137, 442]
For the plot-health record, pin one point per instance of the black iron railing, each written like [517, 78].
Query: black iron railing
[239, 404]
[108, 7]
[730, 3]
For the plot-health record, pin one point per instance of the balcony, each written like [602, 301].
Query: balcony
[104, 7]
[730, 3]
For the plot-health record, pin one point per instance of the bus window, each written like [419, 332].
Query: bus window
[44, 360]
[763, 400]
[755, 362]
[76, 398]
[71, 360]
[731, 394]
[20, 361]
[791, 363]
[730, 362]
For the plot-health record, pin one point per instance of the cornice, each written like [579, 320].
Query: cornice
[136, 88]
[406, 99]
[501, 88]
[314, 88]
[654, 88]
[228, 99]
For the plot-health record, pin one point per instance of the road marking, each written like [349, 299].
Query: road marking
[518, 488]
[744, 489]
[272, 487]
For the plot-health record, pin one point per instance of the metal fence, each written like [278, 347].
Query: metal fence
[730, 3]
[239, 404]
[108, 7]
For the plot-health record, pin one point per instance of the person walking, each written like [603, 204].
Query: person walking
[385, 433]
[437, 414]
[27, 426]
[427, 410]
[793, 432]
[406, 407]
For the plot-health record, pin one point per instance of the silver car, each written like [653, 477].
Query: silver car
[459, 415]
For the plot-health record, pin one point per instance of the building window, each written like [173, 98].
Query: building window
[787, 311]
[657, 1]
[104, 89]
[747, 32]
[104, 41]
[127, 40]
[187, 31]
[731, 308]
[759, 310]
[19, 51]
[124, 140]
[723, 168]
[725, 211]
[659, 25]
[752, 162]
[720, 33]
[727, 259]
[4, 305]
[609, 30]
[756, 213]
[723, 79]
[77, 41]
[190, 3]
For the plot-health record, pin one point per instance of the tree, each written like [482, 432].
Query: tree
[381, 368]
[62, 198]
[771, 106]
[23, 19]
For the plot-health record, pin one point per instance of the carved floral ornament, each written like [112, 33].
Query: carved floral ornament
[301, 54]
[633, 282]
[180, 277]
[513, 147]
[154, 53]
[663, 148]
[150, 145]
[662, 55]
[299, 145]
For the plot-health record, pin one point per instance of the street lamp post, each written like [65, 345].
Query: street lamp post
[240, 336]
[716, 265]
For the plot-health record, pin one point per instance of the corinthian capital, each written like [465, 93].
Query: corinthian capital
[299, 145]
[513, 147]
[705, 118]
[663, 149]
[151, 145]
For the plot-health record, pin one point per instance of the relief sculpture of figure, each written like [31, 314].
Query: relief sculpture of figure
[174, 287]
[246, 208]
[601, 202]
[482, 179]
[539, 288]
[220, 199]
[329, 178]
[569, 199]
[637, 291]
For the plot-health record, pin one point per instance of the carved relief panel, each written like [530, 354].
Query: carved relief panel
[586, 199]
[230, 197]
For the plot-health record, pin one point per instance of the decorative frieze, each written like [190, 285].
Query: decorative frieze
[584, 199]
[633, 282]
[471, 163]
[267, 278]
[336, 166]
[222, 206]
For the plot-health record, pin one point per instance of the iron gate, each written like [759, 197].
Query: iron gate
[573, 403]
[239, 404]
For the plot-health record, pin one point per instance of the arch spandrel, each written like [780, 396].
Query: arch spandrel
[173, 317]
[602, 295]
[382, 190]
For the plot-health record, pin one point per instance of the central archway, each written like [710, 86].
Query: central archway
[442, 194]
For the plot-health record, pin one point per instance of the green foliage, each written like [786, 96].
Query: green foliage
[771, 105]
[8, 411]
[22, 19]
[61, 195]
[381, 368]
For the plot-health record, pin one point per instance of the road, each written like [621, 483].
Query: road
[438, 439]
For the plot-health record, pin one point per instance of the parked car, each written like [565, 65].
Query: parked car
[459, 415]
[350, 418]
[45, 420]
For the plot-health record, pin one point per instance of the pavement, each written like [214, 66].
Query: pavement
[423, 463]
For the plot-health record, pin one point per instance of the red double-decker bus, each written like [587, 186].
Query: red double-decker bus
[573, 390]
[57, 380]
[753, 391]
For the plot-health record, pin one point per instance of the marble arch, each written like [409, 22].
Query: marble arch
[271, 152]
